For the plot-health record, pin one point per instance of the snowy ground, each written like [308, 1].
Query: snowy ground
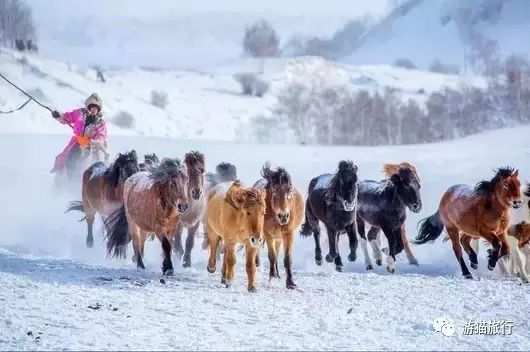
[49, 280]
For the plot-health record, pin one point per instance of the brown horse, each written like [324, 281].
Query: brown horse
[235, 215]
[102, 189]
[284, 213]
[153, 202]
[480, 212]
[191, 219]
[389, 170]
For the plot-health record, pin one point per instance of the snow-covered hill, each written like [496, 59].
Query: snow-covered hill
[425, 30]
[49, 280]
[202, 104]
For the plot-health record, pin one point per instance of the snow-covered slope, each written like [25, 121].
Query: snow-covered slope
[425, 30]
[204, 105]
[48, 279]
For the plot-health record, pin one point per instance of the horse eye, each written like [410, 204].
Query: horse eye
[274, 190]
[248, 212]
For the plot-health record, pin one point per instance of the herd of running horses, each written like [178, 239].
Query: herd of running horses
[161, 198]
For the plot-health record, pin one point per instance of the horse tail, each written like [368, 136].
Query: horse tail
[117, 233]
[76, 205]
[430, 229]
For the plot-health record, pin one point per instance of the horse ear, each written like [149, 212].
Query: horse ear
[516, 173]
[236, 198]
[133, 153]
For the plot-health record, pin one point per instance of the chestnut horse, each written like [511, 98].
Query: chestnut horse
[285, 209]
[191, 219]
[235, 214]
[153, 202]
[332, 199]
[480, 212]
[102, 189]
[382, 205]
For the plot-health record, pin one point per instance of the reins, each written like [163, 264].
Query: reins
[30, 98]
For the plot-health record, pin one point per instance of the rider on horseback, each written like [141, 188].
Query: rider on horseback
[88, 126]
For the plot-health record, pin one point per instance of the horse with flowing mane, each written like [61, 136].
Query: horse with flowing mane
[153, 202]
[102, 189]
[479, 212]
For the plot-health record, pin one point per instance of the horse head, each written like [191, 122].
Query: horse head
[250, 206]
[504, 186]
[343, 186]
[280, 190]
[172, 178]
[195, 164]
[407, 188]
[124, 167]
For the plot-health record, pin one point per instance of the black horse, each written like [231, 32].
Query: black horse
[383, 206]
[151, 161]
[332, 200]
[224, 172]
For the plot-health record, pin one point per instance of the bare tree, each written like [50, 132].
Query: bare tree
[261, 40]
[16, 24]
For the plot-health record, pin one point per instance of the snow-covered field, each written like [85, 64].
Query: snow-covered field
[202, 105]
[49, 280]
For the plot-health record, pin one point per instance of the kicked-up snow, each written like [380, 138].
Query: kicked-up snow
[57, 294]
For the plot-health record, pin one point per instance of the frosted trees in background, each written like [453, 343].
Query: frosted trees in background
[16, 25]
[261, 40]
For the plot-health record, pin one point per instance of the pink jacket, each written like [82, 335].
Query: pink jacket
[76, 120]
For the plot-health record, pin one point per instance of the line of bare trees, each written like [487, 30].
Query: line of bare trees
[16, 26]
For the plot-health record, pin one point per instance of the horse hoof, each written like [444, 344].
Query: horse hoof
[319, 262]
[210, 270]
[338, 268]
[291, 286]
[369, 267]
[168, 272]
[491, 267]
[413, 261]
[390, 270]
[223, 281]
[468, 276]
[90, 242]
[228, 284]
[352, 257]
[474, 266]
[252, 290]
[329, 258]
[379, 262]
[186, 263]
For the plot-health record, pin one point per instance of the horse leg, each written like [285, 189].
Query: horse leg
[167, 265]
[392, 237]
[454, 236]
[273, 259]
[214, 245]
[352, 238]
[364, 243]
[230, 259]
[406, 246]
[190, 241]
[312, 221]
[177, 242]
[338, 259]
[376, 244]
[332, 239]
[90, 218]
[288, 241]
[517, 258]
[138, 245]
[493, 253]
[465, 241]
[250, 253]
[277, 245]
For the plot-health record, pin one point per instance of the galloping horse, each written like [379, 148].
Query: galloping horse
[150, 161]
[195, 164]
[479, 212]
[285, 209]
[235, 215]
[224, 172]
[152, 203]
[383, 206]
[102, 189]
[332, 199]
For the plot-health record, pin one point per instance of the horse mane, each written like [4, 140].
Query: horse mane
[167, 169]
[487, 187]
[251, 196]
[153, 158]
[527, 190]
[194, 158]
[345, 169]
[390, 169]
[278, 176]
[112, 174]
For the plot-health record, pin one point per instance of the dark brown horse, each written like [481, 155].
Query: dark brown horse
[480, 212]
[102, 189]
[285, 210]
[191, 219]
[152, 203]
